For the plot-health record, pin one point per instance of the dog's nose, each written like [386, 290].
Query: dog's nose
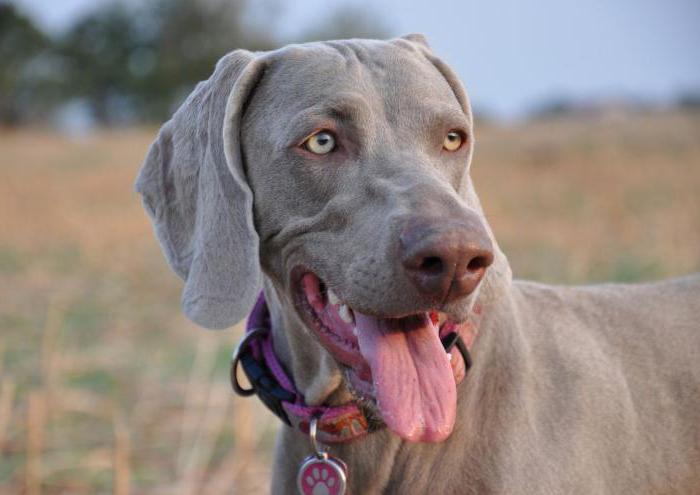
[445, 260]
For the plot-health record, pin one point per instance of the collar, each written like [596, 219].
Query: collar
[335, 424]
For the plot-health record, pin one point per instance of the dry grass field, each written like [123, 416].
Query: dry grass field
[106, 388]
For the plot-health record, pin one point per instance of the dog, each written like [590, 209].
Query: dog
[334, 177]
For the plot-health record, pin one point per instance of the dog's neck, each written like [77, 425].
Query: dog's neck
[314, 372]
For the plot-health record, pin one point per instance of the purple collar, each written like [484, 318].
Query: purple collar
[335, 424]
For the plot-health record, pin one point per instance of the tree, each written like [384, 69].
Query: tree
[136, 64]
[347, 22]
[21, 46]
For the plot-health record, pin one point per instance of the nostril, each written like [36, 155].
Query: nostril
[477, 263]
[432, 265]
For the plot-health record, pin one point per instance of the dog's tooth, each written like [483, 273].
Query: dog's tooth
[354, 331]
[442, 318]
[333, 297]
[345, 314]
[449, 356]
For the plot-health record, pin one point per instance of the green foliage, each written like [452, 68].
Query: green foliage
[133, 63]
[142, 61]
[10, 261]
[630, 269]
[347, 22]
[21, 45]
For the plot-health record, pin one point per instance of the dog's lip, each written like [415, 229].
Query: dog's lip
[343, 344]
[339, 341]
[297, 274]
[301, 302]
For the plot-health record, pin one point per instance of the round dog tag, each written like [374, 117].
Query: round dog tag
[321, 476]
[320, 473]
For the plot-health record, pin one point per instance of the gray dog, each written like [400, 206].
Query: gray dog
[335, 177]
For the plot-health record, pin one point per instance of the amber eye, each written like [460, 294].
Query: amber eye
[453, 141]
[320, 143]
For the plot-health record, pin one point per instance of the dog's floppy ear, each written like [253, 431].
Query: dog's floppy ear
[194, 188]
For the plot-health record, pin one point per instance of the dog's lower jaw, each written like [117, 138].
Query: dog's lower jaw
[329, 384]
[314, 372]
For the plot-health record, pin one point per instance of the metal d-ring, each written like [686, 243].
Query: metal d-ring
[236, 357]
[453, 339]
[462, 347]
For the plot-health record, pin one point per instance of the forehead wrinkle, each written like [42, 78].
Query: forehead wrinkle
[439, 113]
[346, 106]
[343, 108]
[412, 87]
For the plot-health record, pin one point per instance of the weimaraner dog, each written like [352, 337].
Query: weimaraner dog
[334, 177]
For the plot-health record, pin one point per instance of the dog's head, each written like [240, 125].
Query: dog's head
[340, 170]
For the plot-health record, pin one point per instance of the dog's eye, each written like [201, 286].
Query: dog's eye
[453, 141]
[320, 143]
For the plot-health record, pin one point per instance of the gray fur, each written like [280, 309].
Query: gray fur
[588, 390]
[197, 196]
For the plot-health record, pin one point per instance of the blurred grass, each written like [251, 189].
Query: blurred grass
[591, 200]
[103, 383]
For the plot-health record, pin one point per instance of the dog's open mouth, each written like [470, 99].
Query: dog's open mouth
[398, 363]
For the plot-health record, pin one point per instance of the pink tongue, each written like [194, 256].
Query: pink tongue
[413, 381]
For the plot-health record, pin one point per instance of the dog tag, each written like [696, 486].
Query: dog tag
[321, 473]
[324, 476]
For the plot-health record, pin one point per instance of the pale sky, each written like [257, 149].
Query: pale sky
[512, 54]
